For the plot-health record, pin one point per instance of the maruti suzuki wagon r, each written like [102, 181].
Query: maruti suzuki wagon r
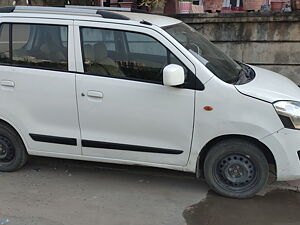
[112, 85]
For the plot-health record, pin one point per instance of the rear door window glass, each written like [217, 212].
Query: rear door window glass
[39, 46]
[4, 43]
[36, 45]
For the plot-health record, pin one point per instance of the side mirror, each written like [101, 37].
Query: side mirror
[173, 75]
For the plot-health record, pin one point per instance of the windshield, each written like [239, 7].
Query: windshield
[213, 58]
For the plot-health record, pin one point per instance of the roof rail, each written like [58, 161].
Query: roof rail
[8, 9]
[53, 10]
[41, 9]
[107, 8]
[65, 10]
[111, 15]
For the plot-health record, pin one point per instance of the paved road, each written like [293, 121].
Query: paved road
[64, 192]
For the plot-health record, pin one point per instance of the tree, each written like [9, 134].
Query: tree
[20, 2]
[293, 5]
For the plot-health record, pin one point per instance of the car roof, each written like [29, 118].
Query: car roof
[90, 13]
[158, 20]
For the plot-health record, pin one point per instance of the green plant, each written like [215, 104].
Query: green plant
[153, 3]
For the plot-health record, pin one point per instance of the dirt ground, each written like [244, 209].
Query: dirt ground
[65, 192]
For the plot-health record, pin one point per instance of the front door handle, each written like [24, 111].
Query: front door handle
[7, 83]
[95, 94]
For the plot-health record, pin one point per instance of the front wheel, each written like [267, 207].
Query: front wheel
[236, 168]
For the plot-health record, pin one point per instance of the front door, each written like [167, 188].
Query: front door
[125, 112]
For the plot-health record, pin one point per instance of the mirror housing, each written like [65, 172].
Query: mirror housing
[173, 75]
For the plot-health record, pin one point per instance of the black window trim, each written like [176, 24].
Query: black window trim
[10, 44]
[11, 64]
[193, 81]
[38, 68]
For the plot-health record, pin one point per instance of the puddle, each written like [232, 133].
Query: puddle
[31, 220]
[5, 221]
[275, 208]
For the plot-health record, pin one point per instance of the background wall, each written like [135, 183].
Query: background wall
[269, 40]
[49, 2]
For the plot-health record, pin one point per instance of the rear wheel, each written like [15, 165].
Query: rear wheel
[13, 154]
[236, 168]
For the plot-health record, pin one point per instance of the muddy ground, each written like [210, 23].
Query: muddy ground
[65, 192]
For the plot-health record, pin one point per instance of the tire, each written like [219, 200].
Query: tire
[236, 168]
[13, 154]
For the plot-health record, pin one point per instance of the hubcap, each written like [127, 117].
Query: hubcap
[7, 151]
[236, 171]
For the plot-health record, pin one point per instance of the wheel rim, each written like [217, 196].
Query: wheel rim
[236, 172]
[7, 151]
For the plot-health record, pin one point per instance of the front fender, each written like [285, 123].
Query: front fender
[233, 114]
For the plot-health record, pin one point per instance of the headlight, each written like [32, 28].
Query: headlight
[289, 113]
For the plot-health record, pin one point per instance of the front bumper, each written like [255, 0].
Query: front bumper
[284, 144]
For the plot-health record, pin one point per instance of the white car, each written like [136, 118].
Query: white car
[133, 88]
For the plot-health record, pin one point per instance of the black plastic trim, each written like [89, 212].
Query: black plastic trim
[37, 68]
[286, 122]
[146, 22]
[10, 44]
[199, 86]
[139, 11]
[111, 15]
[7, 9]
[134, 148]
[298, 154]
[53, 139]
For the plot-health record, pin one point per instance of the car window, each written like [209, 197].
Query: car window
[142, 44]
[37, 46]
[99, 51]
[4, 43]
[64, 37]
[124, 54]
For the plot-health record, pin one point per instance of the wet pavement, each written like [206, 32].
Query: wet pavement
[67, 192]
[275, 208]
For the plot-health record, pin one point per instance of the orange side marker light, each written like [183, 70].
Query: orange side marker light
[208, 108]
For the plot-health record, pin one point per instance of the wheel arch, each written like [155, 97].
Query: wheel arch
[203, 153]
[15, 129]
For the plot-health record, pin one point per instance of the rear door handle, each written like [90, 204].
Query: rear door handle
[95, 94]
[7, 83]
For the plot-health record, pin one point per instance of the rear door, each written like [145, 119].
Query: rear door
[125, 112]
[37, 87]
